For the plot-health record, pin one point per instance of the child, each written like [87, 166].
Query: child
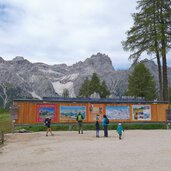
[120, 130]
[97, 126]
[48, 124]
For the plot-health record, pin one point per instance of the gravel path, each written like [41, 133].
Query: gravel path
[139, 150]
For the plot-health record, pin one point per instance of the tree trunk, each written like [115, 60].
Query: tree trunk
[165, 81]
[157, 52]
[160, 76]
[163, 52]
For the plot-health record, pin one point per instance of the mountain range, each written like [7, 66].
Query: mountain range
[37, 80]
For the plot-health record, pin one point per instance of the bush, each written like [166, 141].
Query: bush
[2, 110]
[5, 122]
[91, 126]
[144, 126]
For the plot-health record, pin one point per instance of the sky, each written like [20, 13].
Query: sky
[65, 31]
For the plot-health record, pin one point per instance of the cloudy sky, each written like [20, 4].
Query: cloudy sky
[65, 31]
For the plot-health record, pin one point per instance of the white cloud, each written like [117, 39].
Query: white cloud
[65, 31]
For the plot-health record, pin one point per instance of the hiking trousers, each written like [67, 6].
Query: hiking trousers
[80, 127]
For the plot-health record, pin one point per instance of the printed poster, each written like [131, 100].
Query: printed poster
[118, 112]
[46, 110]
[69, 113]
[141, 112]
[96, 111]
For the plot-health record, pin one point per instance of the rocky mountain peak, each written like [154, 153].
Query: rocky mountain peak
[149, 64]
[18, 58]
[100, 61]
[39, 79]
[96, 63]
[1, 60]
[100, 56]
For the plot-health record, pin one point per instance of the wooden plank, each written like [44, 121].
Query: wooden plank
[28, 112]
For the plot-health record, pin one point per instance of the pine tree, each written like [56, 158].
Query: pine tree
[94, 86]
[141, 83]
[85, 88]
[104, 92]
[152, 33]
[65, 93]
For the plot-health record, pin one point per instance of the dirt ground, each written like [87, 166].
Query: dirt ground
[139, 150]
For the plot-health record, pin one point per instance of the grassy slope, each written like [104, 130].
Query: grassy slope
[5, 122]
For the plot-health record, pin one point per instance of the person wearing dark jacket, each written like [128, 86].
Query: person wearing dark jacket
[48, 124]
[97, 126]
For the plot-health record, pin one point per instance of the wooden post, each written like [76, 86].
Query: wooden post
[1, 137]
[13, 126]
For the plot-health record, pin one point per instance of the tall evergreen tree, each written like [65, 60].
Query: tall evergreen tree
[85, 88]
[65, 93]
[94, 86]
[152, 33]
[141, 83]
[104, 92]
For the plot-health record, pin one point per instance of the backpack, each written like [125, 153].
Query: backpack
[47, 120]
[107, 121]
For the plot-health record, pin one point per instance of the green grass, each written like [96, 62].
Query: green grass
[5, 122]
[4, 116]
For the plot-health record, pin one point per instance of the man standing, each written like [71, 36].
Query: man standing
[80, 122]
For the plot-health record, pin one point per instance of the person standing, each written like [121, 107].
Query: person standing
[120, 130]
[80, 122]
[105, 122]
[97, 126]
[48, 125]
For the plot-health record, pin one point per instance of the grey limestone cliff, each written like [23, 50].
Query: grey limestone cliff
[38, 79]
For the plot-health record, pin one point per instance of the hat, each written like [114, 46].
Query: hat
[119, 124]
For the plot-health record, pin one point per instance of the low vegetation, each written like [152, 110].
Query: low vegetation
[6, 125]
[5, 121]
[91, 126]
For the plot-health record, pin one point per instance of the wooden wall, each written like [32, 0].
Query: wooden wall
[28, 113]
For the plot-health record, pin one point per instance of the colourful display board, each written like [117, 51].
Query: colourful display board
[69, 113]
[96, 110]
[46, 110]
[118, 112]
[141, 112]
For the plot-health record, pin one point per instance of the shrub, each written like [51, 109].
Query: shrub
[91, 126]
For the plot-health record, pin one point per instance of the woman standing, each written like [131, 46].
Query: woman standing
[105, 125]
